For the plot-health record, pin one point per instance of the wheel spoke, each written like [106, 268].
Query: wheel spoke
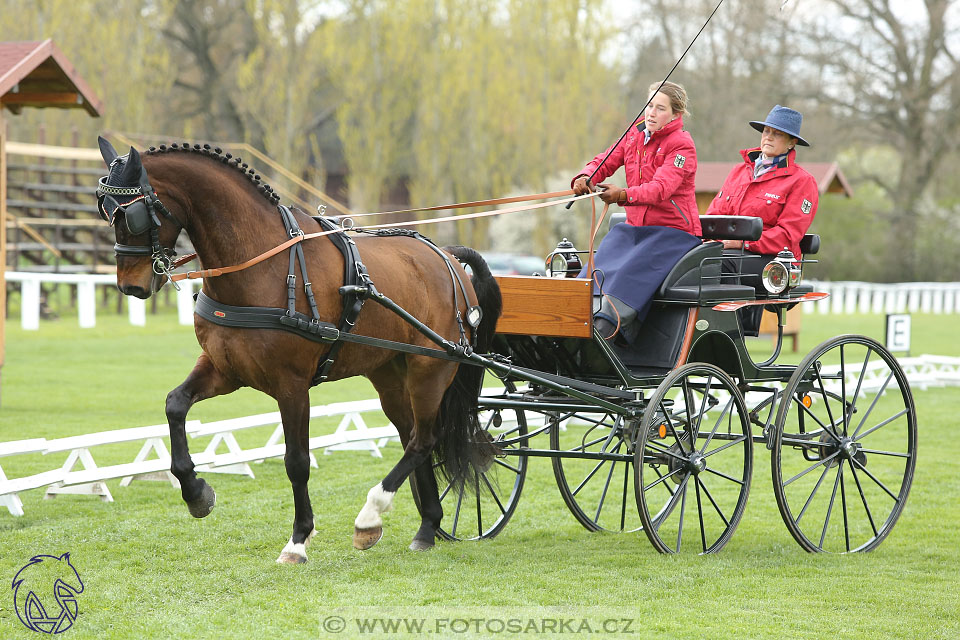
[494, 494]
[723, 414]
[583, 446]
[701, 483]
[806, 504]
[445, 492]
[456, 515]
[659, 448]
[833, 496]
[589, 476]
[882, 424]
[476, 483]
[703, 536]
[665, 485]
[726, 446]
[814, 466]
[723, 475]
[683, 508]
[826, 403]
[875, 479]
[661, 479]
[672, 503]
[818, 421]
[887, 453]
[843, 391]
[873, 404]
[504, 464]
[843, 504]
[674, 431]
[863, 374]
[606, 486]
[863, 499]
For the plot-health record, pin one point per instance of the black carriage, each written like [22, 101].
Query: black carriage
[661, 435]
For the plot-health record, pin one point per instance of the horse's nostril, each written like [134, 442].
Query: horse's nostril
[135, 291]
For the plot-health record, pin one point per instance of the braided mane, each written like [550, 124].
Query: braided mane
[226, 158]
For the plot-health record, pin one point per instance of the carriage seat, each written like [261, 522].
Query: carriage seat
[697, 275]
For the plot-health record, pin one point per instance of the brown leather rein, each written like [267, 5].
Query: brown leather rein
[595, 225]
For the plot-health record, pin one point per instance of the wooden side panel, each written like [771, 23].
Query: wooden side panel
[560, 307]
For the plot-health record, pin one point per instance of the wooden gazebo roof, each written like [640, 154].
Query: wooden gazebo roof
[37, 74]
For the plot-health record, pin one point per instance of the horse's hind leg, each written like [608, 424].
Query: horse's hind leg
[205, 381]
[424, 485]
[295, 412]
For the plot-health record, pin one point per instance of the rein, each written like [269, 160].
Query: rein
[218, 271]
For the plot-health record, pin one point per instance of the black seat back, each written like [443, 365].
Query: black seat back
[688, 271]
[810, 244]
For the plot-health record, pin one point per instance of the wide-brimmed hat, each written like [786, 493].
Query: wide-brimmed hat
[783, 119]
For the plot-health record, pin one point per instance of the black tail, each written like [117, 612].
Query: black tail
[461, 444]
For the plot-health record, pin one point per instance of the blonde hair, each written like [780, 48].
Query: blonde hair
[676, 93]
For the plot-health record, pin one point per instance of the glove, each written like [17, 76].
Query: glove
[612, 194]
[582, 186]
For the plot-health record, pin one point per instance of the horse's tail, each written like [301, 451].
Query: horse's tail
[462, 445]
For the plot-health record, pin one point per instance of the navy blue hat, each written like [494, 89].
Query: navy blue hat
[783, 119]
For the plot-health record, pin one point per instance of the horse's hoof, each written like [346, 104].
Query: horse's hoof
[202, 506]
[363, 539]
[421, 545]
[291, 558]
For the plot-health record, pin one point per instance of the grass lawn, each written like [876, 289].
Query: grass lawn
[152, 571]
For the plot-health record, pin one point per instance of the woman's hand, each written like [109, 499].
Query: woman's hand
[612, 194]
[582, 186]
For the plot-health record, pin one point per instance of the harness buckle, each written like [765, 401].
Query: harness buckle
[296, 232]
[291, 280]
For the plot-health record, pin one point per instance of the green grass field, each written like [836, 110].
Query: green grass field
[152, 571]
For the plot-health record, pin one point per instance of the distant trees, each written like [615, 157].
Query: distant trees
[450, 100]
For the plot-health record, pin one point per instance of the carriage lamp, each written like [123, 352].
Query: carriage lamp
[781, 273]
[564, 262]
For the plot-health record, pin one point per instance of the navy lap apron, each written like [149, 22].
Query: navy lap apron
[634, 261]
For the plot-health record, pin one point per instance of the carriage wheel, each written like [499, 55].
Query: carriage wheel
[844, 446]
[597, 491]
[482, 507]
[693, 461]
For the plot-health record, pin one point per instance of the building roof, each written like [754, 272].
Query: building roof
[710, 176]
[37, 74]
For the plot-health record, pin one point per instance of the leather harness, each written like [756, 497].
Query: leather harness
[357, 288]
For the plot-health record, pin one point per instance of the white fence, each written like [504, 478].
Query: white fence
[845, 297]
[86, 285]
[898, 297]
[80, 474]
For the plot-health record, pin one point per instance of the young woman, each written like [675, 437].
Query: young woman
[660, 162]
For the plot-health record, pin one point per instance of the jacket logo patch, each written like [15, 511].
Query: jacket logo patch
[679, 161]
[806, 206]
[772, 195]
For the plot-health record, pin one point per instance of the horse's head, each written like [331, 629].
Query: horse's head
[43, 581]
[145, 230]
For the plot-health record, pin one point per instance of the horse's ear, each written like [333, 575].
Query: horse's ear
[131, 168]
[106, 150]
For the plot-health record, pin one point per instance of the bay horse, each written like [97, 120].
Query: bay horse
[230, 215]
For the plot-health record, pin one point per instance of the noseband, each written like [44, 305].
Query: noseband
[141, 207]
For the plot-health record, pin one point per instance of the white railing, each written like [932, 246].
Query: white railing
[86, 284]
[80, 474]
[845, 297]
[897, 297]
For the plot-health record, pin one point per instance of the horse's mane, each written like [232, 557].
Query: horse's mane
[228, 159]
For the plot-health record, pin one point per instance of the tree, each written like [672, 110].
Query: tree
[897, 79]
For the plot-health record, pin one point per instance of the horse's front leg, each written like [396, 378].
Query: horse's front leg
[295, 413]
[205, 381]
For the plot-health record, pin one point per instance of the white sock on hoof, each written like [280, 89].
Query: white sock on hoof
[294, 549]
[378, 502]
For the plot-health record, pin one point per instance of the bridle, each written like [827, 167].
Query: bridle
[141, 215]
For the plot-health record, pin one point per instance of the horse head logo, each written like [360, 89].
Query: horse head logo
[45, 594]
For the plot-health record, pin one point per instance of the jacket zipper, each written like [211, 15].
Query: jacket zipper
[679, 211]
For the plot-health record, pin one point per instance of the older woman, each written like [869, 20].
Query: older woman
[660, 161]
[770, 185]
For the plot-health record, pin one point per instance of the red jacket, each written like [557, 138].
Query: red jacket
[785, 198]
[660, 173]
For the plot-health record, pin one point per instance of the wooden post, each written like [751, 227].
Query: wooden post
[3, 244]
